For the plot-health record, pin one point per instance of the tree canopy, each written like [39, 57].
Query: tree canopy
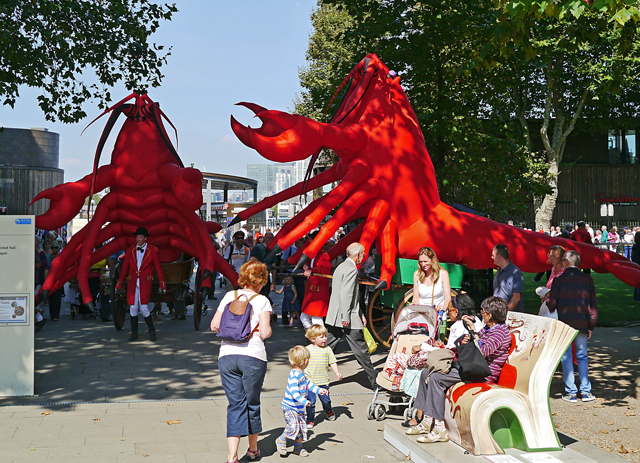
[76, 50]
[427, 44]
[479, 74]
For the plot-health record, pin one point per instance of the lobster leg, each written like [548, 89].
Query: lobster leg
[361, 195]
[293, 223]
[186, 184]
[226, 269]
[196, 231]
[67, 199]
[330, 175]
[102, 253]
[357, 173]
[341, 246]
[95, 225]
[389, 250]
[70, 254]
[377, 214]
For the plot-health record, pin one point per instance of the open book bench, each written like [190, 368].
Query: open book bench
[514, 413]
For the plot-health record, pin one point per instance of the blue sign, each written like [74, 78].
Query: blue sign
[23, 221]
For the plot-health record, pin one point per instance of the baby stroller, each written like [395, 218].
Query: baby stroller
[414, 325]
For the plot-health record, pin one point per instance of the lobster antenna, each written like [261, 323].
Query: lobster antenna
[124, 100]
[314, 158]
[163, 133]
[103, 139]
[171, 124]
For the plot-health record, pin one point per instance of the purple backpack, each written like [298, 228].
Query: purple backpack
[235, 324]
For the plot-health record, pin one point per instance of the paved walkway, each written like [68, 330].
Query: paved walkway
[103, 399]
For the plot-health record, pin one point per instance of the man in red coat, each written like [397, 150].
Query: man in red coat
[139, 262]
[318, 291]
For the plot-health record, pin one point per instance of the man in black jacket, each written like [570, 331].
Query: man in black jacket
[573, 295]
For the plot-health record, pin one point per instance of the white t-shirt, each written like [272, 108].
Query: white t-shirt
[254, 347]
[236, 257]
[458, 330]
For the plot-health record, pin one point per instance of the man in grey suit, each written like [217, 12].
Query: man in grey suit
[344, 317]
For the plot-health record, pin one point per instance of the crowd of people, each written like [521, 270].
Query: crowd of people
[569, 297]
[324, 298]
[615, 239]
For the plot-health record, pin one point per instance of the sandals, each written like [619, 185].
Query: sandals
[300, 452]
[281, 446]
[417, 429]
[253, 455]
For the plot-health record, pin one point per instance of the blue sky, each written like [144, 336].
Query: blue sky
[223, 53]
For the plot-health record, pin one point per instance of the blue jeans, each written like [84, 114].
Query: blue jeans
[242, 377]
[324, 399]
[583, 367]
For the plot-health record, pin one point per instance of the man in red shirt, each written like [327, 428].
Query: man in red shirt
[139, 262]
[583, 236]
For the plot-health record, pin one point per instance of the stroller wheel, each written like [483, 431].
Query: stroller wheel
[408, 413]
[379, 412]
[370, 412]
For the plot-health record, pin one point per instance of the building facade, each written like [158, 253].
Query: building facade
[599, 177]
[29, 164]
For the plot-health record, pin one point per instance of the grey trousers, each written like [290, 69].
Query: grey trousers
[430, 399]
[358, 346]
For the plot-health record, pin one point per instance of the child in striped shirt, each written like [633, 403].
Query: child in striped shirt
[321, 359]
[294, 402]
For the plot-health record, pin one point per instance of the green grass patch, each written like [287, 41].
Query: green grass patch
[615, 299]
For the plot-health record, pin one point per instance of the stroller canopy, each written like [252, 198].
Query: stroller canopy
[414, 317]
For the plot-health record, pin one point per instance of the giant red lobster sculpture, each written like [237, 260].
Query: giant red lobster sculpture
[148, 186]
[387, 178]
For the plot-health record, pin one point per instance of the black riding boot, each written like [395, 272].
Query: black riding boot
[134, 328]
[152, 330]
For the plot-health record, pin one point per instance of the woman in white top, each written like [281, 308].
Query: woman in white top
[243, 365]
[431, 282]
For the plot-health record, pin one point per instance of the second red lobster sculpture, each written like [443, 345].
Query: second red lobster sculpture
[148, 186]
[387, 178]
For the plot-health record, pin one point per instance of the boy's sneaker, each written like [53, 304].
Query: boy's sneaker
[573, 398]
[281, 446]
[588, 397]
[331, 416]
[310, 425]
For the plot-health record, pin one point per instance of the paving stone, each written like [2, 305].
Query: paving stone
[159, 448]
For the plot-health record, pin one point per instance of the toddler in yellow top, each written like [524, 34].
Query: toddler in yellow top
[321, 359]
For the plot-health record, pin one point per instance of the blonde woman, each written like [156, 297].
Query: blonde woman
[431, 282]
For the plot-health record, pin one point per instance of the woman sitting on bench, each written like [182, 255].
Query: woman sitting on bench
[494, 341]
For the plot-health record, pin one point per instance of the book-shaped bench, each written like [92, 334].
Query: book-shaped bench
[514, 413]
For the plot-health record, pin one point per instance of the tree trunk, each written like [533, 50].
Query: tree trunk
[554, 147]
[544, 213]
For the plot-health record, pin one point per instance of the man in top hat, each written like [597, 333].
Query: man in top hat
[139, 262]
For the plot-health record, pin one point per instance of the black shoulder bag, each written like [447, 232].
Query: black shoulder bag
[471, 362]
